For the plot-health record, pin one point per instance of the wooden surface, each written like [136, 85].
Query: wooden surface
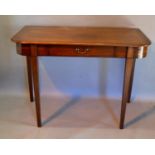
[77, 51]
[91, 36]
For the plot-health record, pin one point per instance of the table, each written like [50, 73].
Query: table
[107, 42]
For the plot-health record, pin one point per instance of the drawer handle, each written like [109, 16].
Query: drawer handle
[87, 49]
[80, 51]
[77, 50]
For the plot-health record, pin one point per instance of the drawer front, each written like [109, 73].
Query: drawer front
[75, 51]
[82, 51]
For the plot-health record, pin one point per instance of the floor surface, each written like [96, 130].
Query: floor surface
[75, 118]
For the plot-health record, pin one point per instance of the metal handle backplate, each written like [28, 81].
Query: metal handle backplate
[82, 51]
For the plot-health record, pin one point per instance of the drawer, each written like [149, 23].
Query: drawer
[81, 51]
[77, 51]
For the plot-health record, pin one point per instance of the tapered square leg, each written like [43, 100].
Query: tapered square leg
[30, 79]
[35, 72]
[129, 63]
[131, 81]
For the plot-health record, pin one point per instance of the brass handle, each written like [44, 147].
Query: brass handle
[80, 51]
[87, 49]
[77, 50]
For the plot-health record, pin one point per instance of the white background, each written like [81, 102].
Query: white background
[113, 7]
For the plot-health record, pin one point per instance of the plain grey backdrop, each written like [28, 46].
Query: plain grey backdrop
[76, 76]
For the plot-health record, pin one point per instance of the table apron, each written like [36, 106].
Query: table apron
[83, 51]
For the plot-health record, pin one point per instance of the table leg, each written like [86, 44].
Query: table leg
[35, 72]
[131, 81]
[129, 63]
[30, 80]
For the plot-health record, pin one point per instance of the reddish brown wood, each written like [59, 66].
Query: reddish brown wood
[35, 71]
[89, 36]
[128, 72]
[93, 51]
[85, 51]
[30, 80]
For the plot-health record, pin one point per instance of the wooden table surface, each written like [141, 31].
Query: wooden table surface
[131, 37]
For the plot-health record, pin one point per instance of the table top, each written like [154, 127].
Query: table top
[94, 36]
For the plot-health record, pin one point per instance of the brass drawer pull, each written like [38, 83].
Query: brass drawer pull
[78, 50]
[82, 51]
[87, 49]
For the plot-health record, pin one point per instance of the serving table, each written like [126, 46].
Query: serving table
[106, 42]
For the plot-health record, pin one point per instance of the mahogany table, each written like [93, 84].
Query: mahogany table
[35, 41]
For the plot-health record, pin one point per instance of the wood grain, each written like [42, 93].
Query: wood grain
[93, 51]
[90, 36]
